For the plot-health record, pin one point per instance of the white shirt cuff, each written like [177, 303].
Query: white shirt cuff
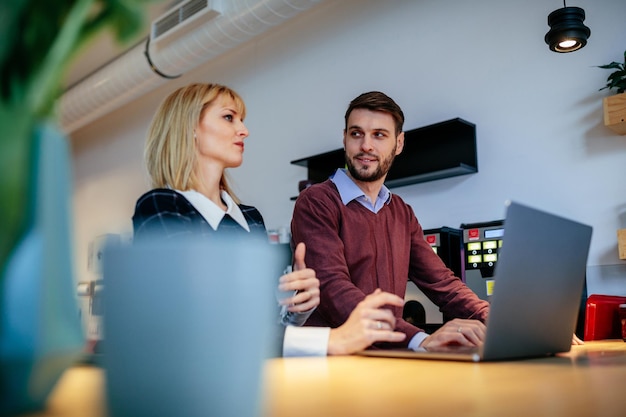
[306, 341]
[417, 340]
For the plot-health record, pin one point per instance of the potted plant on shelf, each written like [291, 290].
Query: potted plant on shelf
[615, 105]
[40, 331]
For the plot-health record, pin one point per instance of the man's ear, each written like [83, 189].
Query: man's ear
[344, 139]
[400, 143]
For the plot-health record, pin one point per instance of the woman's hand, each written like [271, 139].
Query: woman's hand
[303, 281]
[368, 323]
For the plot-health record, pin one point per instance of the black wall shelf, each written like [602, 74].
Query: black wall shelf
[441, 150]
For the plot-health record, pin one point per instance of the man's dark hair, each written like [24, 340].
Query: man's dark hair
[377, 101]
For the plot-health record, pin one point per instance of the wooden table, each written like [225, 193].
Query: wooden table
[588, 381]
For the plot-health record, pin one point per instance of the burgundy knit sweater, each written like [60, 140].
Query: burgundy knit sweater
[354, 251]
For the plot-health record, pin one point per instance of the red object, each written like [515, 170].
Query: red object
[431, 239]
[473, 234]
[602, 317]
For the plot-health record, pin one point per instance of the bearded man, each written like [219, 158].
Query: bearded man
[359, 237]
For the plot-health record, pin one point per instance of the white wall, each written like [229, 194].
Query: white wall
[540, 134]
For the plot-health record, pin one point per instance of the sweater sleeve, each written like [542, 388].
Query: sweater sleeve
[316, 223]
[438, 282]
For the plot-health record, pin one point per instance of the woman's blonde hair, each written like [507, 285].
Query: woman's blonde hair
[170, 152]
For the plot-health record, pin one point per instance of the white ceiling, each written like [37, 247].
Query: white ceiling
[104, 48]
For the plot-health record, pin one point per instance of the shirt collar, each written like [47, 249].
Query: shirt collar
[349, 191]
[211, 212]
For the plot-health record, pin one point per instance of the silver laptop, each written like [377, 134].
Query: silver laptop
[538, 286]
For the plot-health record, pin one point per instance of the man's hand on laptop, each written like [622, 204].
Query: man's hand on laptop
[465, 332]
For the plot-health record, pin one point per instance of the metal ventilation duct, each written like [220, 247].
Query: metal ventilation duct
[179, 15]
[147, 66]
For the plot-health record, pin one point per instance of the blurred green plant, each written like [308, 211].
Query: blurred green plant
[39, 40]
[617, 79]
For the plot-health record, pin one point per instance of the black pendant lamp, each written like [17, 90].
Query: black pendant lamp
[567, 31]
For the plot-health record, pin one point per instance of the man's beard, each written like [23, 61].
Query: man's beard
[378, 173]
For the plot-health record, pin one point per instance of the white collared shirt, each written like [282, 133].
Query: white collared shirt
[211, 212]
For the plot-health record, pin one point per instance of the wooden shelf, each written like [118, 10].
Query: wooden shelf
[442, 150]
